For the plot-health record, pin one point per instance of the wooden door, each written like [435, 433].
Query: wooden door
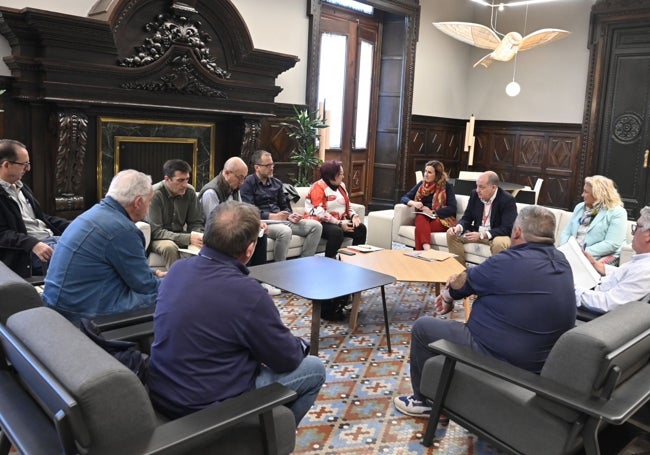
[625, 128]
[349, 94]
[616, 127]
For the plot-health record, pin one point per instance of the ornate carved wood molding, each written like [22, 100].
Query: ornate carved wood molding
[194, 55]
[72, 146]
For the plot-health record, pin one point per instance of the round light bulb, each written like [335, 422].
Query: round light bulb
[513, 89]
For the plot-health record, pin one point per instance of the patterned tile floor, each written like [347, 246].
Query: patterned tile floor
[354, 412]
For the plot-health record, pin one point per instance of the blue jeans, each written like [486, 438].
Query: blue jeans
[306, 381]
[37, 265]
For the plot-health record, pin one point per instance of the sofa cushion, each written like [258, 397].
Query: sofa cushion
[113, 401]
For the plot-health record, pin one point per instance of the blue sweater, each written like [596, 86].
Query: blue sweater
[214, 325]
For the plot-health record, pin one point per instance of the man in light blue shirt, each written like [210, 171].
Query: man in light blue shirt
[100, 266]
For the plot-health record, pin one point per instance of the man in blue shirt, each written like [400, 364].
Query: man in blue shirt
[525, 303]
[266, 193]
[99, 266]
[218, 333]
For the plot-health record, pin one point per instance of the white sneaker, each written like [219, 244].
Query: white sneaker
[271, 290]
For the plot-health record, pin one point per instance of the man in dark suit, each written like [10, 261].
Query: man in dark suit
[27, 235]
[488, 218]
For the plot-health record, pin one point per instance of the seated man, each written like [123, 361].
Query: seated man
[266, 193]
[488, 218]
[524, 304]
[100, 265]
[27, 235]
[218, 333]
[225, 187]
[627, 283]
[175, 217]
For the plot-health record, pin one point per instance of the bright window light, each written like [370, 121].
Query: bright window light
[331, 83]
[351, 4]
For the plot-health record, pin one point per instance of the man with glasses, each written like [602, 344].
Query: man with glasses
[267, 193]
[175, 216]
[225, 187]
[629, 282]
[27, 235]
[488, 218]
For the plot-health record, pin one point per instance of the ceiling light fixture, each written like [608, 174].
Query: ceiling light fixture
[518, 3]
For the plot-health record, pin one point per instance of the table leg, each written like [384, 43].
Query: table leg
[354, 312]
[315, 327]
[383, 302]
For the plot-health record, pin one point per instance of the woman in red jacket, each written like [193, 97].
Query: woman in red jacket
[329, 203]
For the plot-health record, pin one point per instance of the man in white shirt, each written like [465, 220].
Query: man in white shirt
[629, 282]
[488, 218]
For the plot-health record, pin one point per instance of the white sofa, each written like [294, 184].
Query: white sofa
[295, 246]
[403, 230]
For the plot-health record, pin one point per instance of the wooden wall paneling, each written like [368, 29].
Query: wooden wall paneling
[519, 153]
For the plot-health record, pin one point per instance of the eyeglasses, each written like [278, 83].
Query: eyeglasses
[25, 164]
[638, 227]
[265, 165]
[240, 177]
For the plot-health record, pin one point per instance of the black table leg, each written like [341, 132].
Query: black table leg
[383, 302]
[315, 327]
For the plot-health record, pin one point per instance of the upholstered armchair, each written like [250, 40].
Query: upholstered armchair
[61, 393]
[596, 373]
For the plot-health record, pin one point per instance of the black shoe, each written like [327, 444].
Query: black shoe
[332, 310]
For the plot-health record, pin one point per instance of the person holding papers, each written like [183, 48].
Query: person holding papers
[598, 223]
[435, 200]
[175, 217]
[488, 218]
[629, 282]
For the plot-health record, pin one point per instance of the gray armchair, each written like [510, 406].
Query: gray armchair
[16, 294]
[597, 372]
[61, 393]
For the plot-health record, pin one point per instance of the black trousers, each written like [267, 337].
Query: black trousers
[334, 235]
[259, 255]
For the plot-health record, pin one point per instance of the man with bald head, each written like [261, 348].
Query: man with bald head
[488, 218]
[225, 187]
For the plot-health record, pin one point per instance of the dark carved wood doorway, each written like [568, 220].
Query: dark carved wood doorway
[617, 111]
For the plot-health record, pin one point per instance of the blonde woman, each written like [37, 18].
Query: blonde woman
[599, 222]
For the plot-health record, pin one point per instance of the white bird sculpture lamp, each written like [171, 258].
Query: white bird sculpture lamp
[504, 49]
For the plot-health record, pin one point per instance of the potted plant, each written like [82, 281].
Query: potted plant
[304, 128]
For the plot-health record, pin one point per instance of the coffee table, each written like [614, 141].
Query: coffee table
[319, 278]
[403, 268]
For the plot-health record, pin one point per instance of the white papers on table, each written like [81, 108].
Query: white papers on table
[431, 255]
[364, 248]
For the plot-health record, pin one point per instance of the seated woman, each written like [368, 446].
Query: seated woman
[598, 223]
[329, 203]
[433, 196]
